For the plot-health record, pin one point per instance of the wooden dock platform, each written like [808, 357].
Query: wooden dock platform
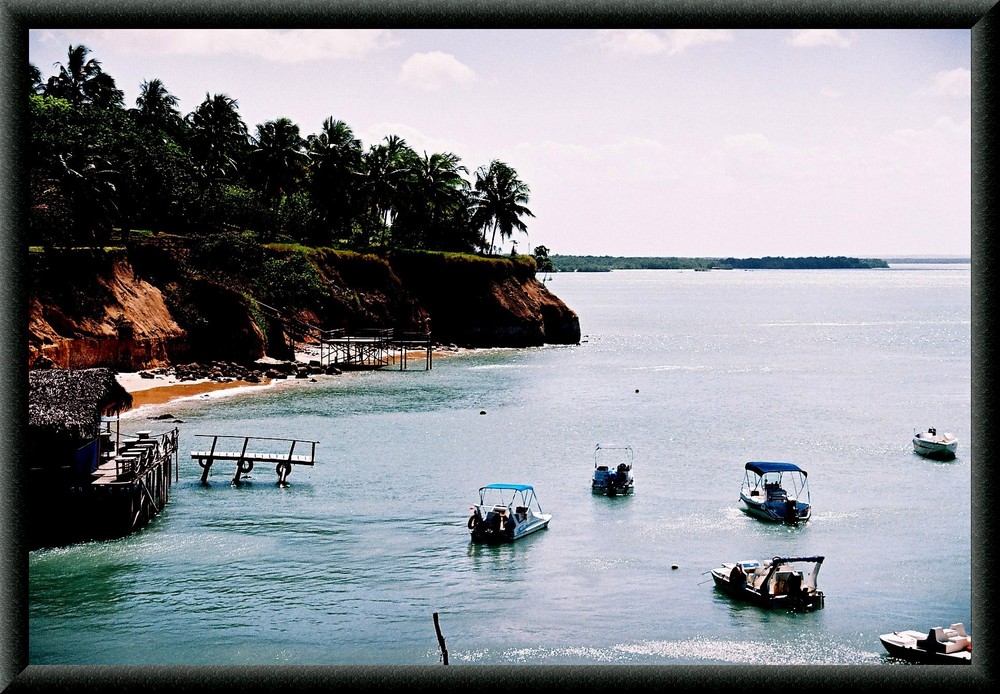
[373, 349]
[246, 457]
[131, 483]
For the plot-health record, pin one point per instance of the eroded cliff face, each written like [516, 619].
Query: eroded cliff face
[97, 309]
[90, 310]
[492, 303]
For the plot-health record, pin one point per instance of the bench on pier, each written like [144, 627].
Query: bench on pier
[245, 458]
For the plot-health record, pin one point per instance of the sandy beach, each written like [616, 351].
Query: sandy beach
[162, 389]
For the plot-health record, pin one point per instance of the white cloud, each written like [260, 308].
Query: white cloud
[812, 38]
[629, 159]
[631, 41]
[648, 42]
[942, 129]
[281, 46]
[747, 142]
[417, 140]
[957, 82]
[683, 39]
[435, 70]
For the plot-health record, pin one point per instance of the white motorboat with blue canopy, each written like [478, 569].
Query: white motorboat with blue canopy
[612, 470]
[505, 513]
[776, 492]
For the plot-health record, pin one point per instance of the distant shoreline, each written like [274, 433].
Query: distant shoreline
[606, 263]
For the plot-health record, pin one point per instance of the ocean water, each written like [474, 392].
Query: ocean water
[698, 371]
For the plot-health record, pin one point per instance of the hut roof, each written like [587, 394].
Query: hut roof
[67, 403]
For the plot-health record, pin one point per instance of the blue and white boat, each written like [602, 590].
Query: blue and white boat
[505, 513]
[612, 470]
[777, 492]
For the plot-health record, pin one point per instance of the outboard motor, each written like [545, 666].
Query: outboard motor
[791, 511]
[623, 475]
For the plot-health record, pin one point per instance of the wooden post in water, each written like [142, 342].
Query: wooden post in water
[444, 649]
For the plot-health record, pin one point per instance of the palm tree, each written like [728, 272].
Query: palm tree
[35, 84]
[81, 81]
[384, 170]
[278, 157]
[87, 184]
[431, 196]
[219, 136]
[335, 156]
[157, 107]
[499, 203]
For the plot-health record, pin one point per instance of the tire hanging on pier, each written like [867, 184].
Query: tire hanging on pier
[283, 469]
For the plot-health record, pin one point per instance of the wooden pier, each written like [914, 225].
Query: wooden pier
[245, 457]
[131, 483]
[373, 349]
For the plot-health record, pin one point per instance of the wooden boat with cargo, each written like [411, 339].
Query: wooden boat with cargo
[772, 583]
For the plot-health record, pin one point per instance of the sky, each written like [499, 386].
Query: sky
[688, 143]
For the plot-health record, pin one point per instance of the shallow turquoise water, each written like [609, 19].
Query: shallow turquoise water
[698, 371]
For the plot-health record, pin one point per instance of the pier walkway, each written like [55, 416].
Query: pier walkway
[372, 348]
[245, 458]
[131, 482]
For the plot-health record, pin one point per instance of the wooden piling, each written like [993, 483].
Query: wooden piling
[444, 649]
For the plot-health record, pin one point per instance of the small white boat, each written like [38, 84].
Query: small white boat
[774, 582]
[776, 492]
[505, 513]
[940, 646]
[931, 444]
[612, 471]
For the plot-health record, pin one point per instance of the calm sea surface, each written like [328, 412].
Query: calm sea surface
[698, 371]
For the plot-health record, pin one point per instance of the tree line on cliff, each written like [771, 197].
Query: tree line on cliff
[96, 166]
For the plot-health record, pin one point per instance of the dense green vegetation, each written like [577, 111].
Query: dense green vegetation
[604, 263]
[98, 169]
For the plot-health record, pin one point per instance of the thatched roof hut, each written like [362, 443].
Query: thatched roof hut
[65, 405]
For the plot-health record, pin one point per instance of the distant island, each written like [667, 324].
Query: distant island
[605, 263]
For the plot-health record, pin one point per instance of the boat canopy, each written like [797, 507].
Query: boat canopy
[515, 487]
[762, 468]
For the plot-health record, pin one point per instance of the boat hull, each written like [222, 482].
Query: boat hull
[919, 655]
[813, 601]
[484, 534]
[935, 449]
[612, 490]
[776, 512]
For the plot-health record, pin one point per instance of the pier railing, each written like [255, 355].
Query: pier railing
[246, 456]
[362, 348]
[129, 457]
